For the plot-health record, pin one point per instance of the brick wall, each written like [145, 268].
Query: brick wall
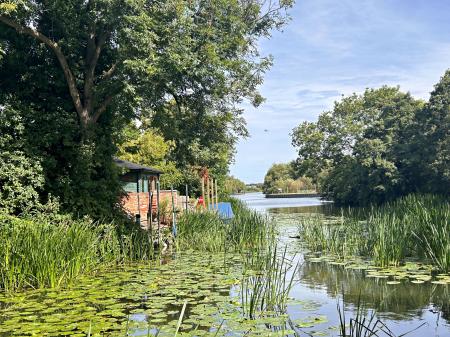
[130, 203]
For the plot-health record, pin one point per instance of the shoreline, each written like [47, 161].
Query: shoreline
[292, 195]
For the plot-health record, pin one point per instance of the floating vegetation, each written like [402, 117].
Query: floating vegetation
[135, 298]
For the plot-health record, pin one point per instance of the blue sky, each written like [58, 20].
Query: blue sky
[335, 47]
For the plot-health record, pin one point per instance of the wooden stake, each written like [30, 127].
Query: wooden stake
[158, 210]
[203, 191]
[187, 198]
[217, 197]
[208, 194]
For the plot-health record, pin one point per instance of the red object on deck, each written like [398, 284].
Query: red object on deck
[201, 201]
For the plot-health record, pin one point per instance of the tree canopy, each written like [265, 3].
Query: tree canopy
[78, 72]
[377, 146]
[283, 178]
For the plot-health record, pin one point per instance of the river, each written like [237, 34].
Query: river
[402, 307]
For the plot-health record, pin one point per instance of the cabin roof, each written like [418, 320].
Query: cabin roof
[136, 167]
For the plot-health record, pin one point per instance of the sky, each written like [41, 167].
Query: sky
[332, 48]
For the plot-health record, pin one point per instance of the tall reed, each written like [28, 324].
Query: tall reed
[51, 250]
[205, 230]
[412, 226]
[268, 277]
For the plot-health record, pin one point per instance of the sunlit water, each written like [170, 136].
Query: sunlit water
[402, 307]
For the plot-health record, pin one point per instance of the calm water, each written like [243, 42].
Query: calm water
[146, 299]
[402, 307]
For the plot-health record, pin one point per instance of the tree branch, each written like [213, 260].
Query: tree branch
[108, 73]
[101, 109]
[70, 79]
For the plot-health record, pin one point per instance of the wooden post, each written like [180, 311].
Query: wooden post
[150, 213]
[203, 191]
[217, 197]
[138, 200]
[211, 193]
[174, 220]
[208, 199]
[187, 198]
[158, 210]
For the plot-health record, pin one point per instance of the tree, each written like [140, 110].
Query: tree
[428, 151]
[21, 177]
[233, 185]
[276, 174]
[151, 149]
[355, 150]
[85, 69]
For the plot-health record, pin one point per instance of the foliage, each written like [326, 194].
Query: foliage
[51, 250]
[282, 178]
[412, 226]
[428, 153]
[78, 72]
[21, 177]
[368, 148]
[233, 185]
[149, 148]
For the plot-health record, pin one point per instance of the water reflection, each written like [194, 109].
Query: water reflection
[393, 301]
[403, 306]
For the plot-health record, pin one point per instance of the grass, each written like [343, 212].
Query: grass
[413, 226]
[52, 250]
[365, 323]
[205, 231]
[268, 277]
[267, 272]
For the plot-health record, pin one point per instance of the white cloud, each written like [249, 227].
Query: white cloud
[340, 47]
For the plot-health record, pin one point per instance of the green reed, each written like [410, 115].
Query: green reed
[413, 226]
[365, 323]
[51, 250]
[268, 277]
[205, 231]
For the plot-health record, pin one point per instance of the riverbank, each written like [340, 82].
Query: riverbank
[291, 195]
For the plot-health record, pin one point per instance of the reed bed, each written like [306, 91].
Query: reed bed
[415, 226]
[205, 231]
[52, 250]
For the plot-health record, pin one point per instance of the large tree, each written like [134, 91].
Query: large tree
[86, 68]
[356, 151]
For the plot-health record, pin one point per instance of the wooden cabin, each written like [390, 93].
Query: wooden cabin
[140, 184]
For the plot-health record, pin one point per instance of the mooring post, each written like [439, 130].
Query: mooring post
[174, 220]
[150, 211]
[187, 198]
[208, 192]
[203, 191]
[158, 210]
[217, 196]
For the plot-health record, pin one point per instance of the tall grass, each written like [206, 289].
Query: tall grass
[268, 277]
[412, 226]
[48, 251]
[205, 230]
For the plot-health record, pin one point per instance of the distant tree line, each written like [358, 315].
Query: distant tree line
[283, 178]
[233, 185]
[157, 82]
[377, 146]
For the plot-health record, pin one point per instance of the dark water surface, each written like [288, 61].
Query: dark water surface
[401, 307]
